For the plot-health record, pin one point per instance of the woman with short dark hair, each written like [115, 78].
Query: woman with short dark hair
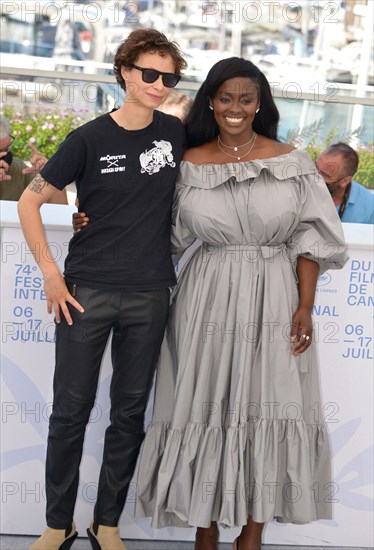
[116, 281]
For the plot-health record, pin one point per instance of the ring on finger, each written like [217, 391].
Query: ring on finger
[307, 337]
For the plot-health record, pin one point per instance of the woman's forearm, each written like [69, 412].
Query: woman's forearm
[307, 272]
[56, 291]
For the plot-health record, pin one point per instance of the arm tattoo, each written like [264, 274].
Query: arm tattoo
[38, 184]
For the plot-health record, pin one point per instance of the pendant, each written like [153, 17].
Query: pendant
[235, 148]
[239, 158]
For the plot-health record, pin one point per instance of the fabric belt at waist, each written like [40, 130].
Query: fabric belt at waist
[251, 250]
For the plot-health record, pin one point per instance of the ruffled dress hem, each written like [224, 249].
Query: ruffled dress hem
[270, 469]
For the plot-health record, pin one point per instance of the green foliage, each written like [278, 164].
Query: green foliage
[309, 139]
[298, 136]
[44, 128]
[365, 172]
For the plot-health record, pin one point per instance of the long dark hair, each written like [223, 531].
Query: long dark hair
[201, 126]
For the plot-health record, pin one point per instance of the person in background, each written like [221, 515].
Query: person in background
[116, 281]
[337, 165]
[177, 104]
[15, 175]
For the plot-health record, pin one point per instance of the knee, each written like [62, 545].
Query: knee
[128, 418]
[70, 416]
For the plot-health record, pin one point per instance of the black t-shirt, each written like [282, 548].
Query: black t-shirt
[125, 183]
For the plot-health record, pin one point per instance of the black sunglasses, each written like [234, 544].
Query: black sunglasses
[169, 80]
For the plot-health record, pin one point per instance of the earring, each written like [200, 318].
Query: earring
[211, 107]
[257, 110]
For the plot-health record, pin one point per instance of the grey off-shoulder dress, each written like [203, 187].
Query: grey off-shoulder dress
[237, 425]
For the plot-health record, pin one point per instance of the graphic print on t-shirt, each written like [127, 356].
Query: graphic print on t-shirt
[158, 157]
[112, 164]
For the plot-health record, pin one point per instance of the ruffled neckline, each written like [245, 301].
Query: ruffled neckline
[207, 176]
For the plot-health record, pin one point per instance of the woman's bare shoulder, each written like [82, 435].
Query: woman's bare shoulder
[198, 155]
[274, 148]
[284, 148]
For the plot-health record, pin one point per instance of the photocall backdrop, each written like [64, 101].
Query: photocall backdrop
[343, 322]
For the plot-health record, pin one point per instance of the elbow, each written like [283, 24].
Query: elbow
[26, 205]
[22, 202]
[21, 210]
[20, 206]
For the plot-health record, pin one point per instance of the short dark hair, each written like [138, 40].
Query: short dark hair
[201, 126]
[351, 158]
[145, 41]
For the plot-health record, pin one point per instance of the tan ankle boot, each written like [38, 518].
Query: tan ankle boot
[106, 538]
[55, 539]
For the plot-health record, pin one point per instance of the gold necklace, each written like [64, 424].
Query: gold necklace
[236, 147]
[233, 156]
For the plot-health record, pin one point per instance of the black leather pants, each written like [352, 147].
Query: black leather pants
[138, 321]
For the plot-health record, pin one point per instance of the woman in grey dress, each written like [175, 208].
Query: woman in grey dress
[237, 436]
